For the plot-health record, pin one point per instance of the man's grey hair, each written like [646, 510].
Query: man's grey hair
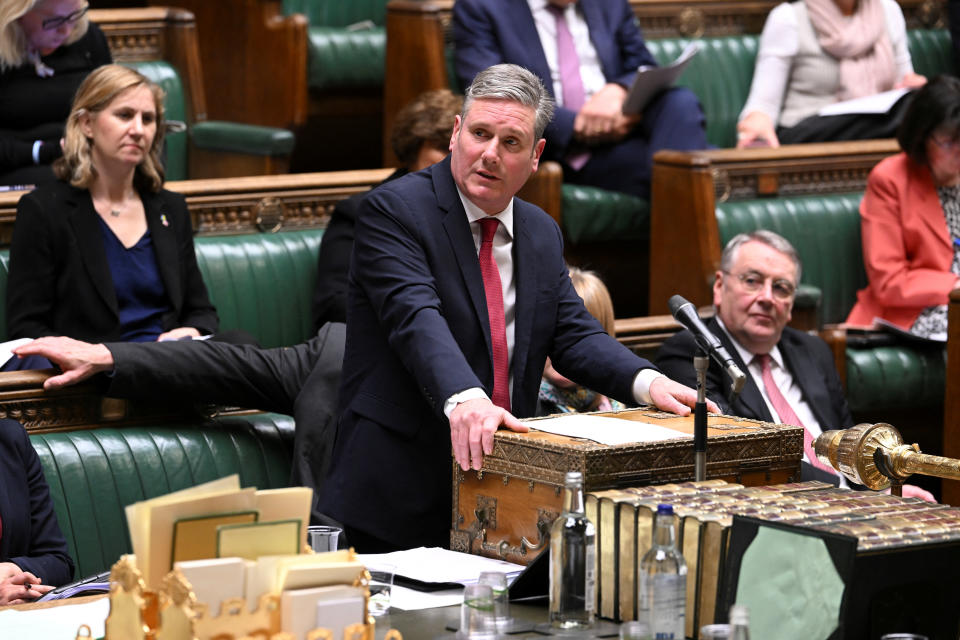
[773, 240]
[512, 82]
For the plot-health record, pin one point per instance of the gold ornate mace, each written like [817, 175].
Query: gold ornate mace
[874, 455]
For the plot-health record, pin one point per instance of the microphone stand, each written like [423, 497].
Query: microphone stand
[701, 361]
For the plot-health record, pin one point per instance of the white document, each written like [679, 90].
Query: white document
[605, 430]
[877, 103]
[56, 623]
[412, 600]
[651, 80]
[6, 348]
[435, 565]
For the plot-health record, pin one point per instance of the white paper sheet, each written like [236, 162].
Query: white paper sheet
[433, 564]
[55, 623]
[606, 430]
[412, 600]
[877, 103]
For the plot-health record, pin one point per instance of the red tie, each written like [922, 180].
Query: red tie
[498, 326]
[785, 411]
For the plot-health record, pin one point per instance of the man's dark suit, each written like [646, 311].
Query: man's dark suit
[31, 537]
[417, 333]
[806, 357]
[488, 32]
[60, 282]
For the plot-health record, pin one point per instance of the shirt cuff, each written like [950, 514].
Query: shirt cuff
[472, 393]
[641, 385]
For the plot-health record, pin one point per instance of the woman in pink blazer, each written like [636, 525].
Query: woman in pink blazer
[910, 218]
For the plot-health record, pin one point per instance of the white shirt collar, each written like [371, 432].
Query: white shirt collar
[475, 213]
[745, 354]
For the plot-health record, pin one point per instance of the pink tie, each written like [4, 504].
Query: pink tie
[498, 326]
[571, 84]
[785, 411]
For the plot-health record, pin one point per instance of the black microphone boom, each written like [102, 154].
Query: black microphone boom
[686, 314]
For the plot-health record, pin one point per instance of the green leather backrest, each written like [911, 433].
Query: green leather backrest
[826, 233]
[591, 214]
[262, 283]
[930, 51]
[719, 75]
[94, 474]
[164, 74]
[338, 13]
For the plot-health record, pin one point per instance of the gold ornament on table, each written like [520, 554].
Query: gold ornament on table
[874, 455]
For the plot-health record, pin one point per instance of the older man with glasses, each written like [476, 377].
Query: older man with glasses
[792, 377]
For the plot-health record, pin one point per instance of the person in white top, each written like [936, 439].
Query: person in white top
[814, 53]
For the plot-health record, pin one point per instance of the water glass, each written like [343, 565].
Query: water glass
[634, 630]
[323, 538]
[501, 595]
[381, 585]
[715, 632]
[477, 621]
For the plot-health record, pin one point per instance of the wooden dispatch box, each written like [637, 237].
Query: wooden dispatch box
[505, 509]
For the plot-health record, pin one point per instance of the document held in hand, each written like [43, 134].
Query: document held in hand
[650, 81]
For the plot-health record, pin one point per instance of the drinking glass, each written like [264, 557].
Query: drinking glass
[381, 585]
[323, 538]
[477, 621]
[501, 595]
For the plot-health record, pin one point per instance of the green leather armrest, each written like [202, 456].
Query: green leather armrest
[242, 138]
[591, 214]
[895, 377]
[808, 297]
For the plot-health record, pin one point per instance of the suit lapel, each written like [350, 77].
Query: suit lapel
[922, 193]
[84, 220]
[461, 243]
[525, 276]
[603, 42]
[164, 245]
[527, 32]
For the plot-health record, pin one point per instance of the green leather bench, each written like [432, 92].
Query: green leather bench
[720, 76]
[826, 232]
[345, 42]
[93, 474]
[262, 283]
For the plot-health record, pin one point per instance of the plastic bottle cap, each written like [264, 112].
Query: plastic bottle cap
[665, 509]
[739, 615]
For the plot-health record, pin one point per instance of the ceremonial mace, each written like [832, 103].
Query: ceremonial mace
[875, 456]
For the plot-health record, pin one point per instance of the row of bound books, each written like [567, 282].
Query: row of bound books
[704, 512]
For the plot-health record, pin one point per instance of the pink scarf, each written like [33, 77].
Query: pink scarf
[860, 42]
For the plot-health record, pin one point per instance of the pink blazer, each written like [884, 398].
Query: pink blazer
[907, 249]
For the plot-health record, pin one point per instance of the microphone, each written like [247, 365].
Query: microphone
[686, 314]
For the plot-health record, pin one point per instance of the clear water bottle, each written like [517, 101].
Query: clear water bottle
[662, 592]
[739, 623]
[573, 561]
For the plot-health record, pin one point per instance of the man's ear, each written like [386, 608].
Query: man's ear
[537, 152]
[457, 122]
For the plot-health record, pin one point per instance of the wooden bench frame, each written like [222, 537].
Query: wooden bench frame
[166, 33]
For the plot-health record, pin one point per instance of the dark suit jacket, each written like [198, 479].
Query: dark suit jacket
[60, 282]
[333, 261]
[301, 381]
[31, 537]
[807, 357]
[489, 32]
[417, 333]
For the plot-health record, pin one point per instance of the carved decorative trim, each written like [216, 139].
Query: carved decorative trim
[730, 186]
[131, 44]
[691, 22]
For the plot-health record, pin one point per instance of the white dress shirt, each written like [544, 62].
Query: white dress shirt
[591, 72]
[503, 255]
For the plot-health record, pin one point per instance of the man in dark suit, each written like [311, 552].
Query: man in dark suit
[589, 135]
[753, 295]
[428, 343]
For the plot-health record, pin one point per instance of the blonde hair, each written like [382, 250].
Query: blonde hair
[95, 94]
[595, 296]
[13, 41]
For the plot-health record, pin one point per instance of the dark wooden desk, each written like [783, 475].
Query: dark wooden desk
[428, 624]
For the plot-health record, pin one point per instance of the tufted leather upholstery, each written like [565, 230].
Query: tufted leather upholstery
[591, 214]
[720, 75]
[262, 283]
[210, 135]
[340, 56]
[930, 51]
[94, 474]
[826, 233]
